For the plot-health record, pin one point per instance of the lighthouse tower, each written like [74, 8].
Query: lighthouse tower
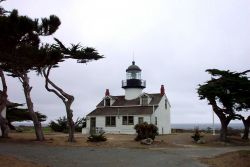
[133, 84]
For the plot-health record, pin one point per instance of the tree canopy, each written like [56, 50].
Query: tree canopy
[231, 89]
[227, 92]
[22, 114]
[17, 114]
[75, 52]
[21, 51]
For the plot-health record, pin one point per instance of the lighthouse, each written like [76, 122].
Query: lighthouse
[133, 84]
[119, 114]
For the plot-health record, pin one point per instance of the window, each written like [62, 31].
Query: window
[110, 121]
[107, 102]
[144, 101]
[128, 120]
[124, 120]
[133, 75]
[155, 120]
[166, 104]
[131, 120]
[140, 120]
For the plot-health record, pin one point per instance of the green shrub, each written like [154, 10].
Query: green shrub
[145, 131]
[209, 130]
[97, 137]
[61, 125]
[197, 135]
[79, 124]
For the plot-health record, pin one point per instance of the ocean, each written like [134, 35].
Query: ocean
[186, 126]
[204, 126]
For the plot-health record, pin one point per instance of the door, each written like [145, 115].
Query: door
[92, 125]
[140, 120]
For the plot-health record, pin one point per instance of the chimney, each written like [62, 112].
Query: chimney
[162, 90]
[107, 92]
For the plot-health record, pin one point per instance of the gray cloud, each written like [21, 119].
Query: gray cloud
[174, 42]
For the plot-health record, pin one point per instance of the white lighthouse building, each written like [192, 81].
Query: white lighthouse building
[119, 114]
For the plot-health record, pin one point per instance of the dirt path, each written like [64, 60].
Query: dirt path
[61, 156]
[118, 150]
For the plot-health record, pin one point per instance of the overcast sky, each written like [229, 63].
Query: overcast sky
[173, 42]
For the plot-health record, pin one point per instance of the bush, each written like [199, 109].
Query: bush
[79, 124]
[97, 137]
[61, 124]
[209, 130]
[145, 131]
[197, 135]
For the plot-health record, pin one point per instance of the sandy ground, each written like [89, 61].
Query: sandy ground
[232, 159]
[10, 161]
[127, 141]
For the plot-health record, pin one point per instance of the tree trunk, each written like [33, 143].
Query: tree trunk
[3, 102]
[67, 100]
[223, 119]
[37, 125]
[246, 132]
[71, 124]
[12, 127]
[4, 127]
[246, 127]
[223, 131]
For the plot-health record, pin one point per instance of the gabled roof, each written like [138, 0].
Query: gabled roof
[121, 101]
[121, 106]
[136, 110]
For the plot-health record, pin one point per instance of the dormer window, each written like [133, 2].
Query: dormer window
[107, 102]
[144, 100]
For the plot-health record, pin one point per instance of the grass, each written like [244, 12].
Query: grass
[47, 129]
[31, 129]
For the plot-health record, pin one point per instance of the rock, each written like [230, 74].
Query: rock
[147, 141]
[201, 141]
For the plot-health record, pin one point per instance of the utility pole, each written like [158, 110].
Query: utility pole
[213, 123]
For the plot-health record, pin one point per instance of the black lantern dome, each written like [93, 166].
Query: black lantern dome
[133, 79]
[133, 67]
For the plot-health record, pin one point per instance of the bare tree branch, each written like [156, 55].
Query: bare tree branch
[47, 82]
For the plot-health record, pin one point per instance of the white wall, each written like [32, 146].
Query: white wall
[163, 121]
[119, 128]
[132, 93]
[163, 117]
[3, 113]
